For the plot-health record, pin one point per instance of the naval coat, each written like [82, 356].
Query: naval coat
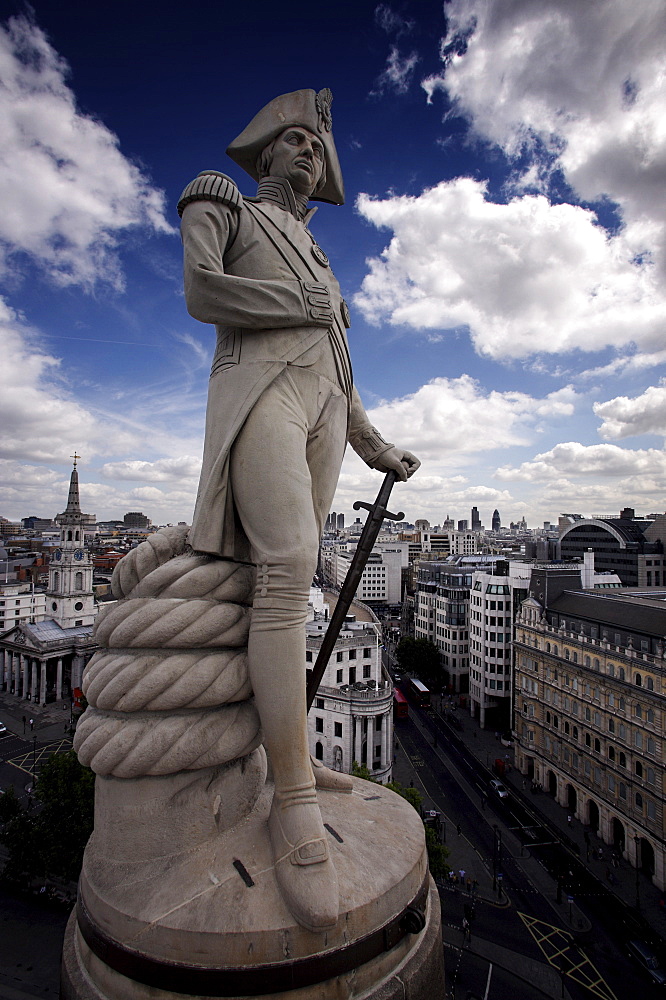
[253, 270]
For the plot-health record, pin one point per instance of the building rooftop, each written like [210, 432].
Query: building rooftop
[631, 609]
[49, 629]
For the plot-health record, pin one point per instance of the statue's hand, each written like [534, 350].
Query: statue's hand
[402, 462]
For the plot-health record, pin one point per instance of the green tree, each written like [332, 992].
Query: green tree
[49, 841]
[437, 853]
[420, 657]
[66, 791]
[362, 771]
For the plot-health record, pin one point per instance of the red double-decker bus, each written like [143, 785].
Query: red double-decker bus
[400, 705]
[417, 690]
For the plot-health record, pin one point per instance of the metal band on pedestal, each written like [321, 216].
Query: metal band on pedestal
[257, 980]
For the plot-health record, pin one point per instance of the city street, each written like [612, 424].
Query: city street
[531, 936]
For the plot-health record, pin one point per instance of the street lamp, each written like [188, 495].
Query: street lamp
[637, 842]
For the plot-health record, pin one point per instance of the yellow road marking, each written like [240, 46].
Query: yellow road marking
[558, 948]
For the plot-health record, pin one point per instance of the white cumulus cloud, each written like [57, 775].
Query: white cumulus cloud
[570, 458]
[526, 277]
[578, 87]
[67, 191]
[162, 470]
[624, 417]
[457, 416]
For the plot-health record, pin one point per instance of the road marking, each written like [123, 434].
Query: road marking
[33, 760]
[559, 950]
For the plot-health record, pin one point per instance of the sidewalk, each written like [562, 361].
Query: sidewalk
[49, 723]
[463, 856]
[628, 883]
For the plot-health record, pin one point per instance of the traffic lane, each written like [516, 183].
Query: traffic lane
[450, 798]
[607, 942]
[30, 945]
[469, 975]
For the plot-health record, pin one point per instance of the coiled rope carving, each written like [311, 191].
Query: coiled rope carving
[132, 746]
[161, 680]
[156, 621]
[175, 640]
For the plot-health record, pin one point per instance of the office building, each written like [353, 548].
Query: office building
[590, 711]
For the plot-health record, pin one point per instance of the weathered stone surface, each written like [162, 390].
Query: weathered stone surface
[195, 907]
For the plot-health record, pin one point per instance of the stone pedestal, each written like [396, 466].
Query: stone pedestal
[210, 922]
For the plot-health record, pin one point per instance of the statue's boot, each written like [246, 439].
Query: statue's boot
[304, 871]
[330, 781]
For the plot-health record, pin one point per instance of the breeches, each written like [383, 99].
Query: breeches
[284, 469]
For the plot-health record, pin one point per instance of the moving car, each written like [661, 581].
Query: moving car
[648, 961]
[499, 789]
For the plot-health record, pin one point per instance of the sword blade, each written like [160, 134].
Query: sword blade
[371, 528]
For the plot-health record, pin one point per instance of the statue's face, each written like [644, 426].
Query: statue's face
[298, 156]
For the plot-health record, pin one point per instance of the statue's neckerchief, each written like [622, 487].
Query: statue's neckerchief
[279, 191]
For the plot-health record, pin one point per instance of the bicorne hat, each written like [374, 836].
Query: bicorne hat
[303, 108]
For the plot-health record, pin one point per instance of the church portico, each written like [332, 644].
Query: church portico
[44, 660]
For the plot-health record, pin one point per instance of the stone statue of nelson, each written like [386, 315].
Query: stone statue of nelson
[281, 408]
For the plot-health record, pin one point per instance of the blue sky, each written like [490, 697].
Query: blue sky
[502, 246]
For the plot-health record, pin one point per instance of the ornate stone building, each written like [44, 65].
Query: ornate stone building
[352, 716]
[44, 660]
[590, 709]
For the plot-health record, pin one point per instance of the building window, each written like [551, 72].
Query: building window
[623, 760]
[319, 751]
[338, 657]
[366, 669]
[623, 790]
[366, 653]
[639, 800]
[650, 776]
[319, 703]
[638, 680]
[611, 753]
[319, 724]
[337, 729]
[308, 656]
[611, 726]
[651, 745]
[638, 768]
[651, 809]
[338, 677]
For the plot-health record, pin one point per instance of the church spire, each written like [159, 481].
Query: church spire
[73, 505]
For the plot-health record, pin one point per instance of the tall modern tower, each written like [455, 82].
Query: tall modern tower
[476, 520]
[69, 598]
[497, 524]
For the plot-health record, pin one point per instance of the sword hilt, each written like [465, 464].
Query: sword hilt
[373, 508]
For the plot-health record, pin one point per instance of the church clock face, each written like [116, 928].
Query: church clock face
[78, 554]
[58, 554]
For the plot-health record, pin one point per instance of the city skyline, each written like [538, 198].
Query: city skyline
[500, 247]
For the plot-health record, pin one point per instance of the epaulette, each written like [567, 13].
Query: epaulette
[211, 185]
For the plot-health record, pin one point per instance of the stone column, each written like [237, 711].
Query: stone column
[77, 670]
[42, 683]
[33, 680]
[5, 669]
[24, 675]
[386, 749]
[16, 662]
[358, 739]
[59, 680]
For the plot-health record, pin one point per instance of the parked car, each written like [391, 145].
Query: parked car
[648, 961]
[499, 789]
